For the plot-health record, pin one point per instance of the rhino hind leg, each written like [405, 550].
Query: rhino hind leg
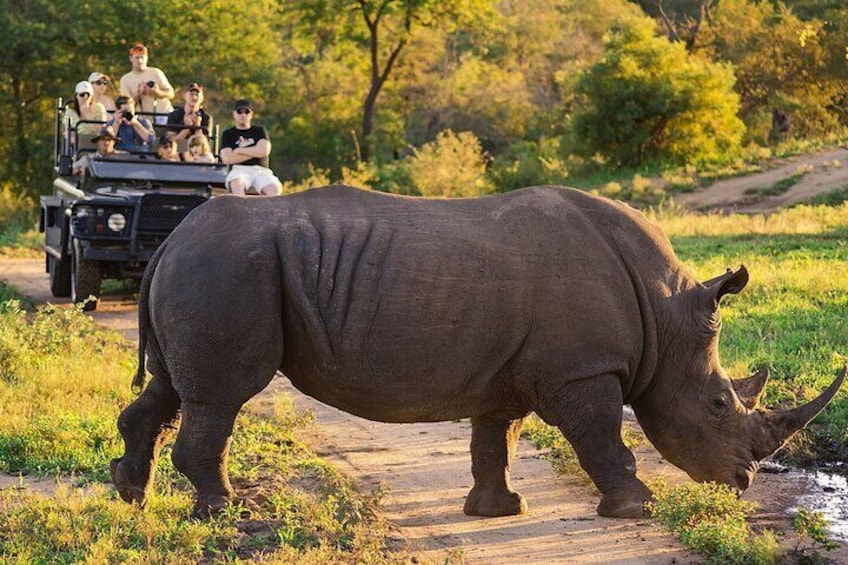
[493, 446]
[145, 425]
[201, 452]
[588, 413]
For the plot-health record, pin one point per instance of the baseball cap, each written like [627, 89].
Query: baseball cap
[95, 76]
[138, 48]
[243, 103]
[106, 133]
[194, 86]
[84, 86]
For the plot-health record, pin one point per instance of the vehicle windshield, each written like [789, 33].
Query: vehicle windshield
[162, 171]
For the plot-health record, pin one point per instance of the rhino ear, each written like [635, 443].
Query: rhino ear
[729, 283]
[751, 389]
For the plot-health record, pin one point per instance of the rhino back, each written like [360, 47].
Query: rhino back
[403, 309]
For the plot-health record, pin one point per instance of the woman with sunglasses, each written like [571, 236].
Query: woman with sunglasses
[83, 107]
[100, 82]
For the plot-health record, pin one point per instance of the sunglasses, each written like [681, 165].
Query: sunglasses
[243, 111]
[101, 82]
[83, 94]
[168, 144]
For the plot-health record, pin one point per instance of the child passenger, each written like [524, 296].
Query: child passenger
[199, 150]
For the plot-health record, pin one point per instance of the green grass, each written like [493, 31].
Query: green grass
[63, 382]
[776, 189]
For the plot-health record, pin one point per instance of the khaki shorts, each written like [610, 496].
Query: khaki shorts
[253, 177]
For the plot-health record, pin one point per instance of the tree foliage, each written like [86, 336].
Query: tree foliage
[648, 99]
[335, 81]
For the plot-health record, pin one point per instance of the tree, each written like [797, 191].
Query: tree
[389, 25]
[780, 62]
[649, 100]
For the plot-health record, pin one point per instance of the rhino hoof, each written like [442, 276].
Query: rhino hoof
[209, 506]
[624, 503]
[494, 503]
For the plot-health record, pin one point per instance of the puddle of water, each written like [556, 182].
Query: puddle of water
[826, 492]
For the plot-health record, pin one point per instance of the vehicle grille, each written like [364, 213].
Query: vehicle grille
[161, 213]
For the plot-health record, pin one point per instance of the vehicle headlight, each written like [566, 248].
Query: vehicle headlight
[83, 211]
[116, 222]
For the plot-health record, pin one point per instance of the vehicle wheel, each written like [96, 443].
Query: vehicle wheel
[60, 276]
[85, 279]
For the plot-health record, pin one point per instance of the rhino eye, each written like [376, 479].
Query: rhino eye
[719, 404]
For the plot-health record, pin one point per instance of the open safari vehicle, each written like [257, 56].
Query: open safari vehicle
[109, 222]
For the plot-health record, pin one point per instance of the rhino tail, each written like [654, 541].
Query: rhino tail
[144, 318]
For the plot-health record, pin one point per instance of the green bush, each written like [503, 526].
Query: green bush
[529, 163]
[712, 521]
[649, 100]
[453, 165]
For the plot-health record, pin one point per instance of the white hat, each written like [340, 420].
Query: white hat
[95, 76]
[84, 86]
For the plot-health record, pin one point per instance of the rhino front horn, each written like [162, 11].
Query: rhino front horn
[781, 426]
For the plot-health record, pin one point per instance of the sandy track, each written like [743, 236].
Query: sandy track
[822, 172]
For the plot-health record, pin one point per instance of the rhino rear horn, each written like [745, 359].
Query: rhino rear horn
[781, 426]
[750, 389]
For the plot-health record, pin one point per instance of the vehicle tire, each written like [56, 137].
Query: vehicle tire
[60, 276]
[85, 278]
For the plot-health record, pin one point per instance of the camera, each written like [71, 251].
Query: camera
[151, 83]
[128, 116]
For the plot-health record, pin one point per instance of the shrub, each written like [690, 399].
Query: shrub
[650, 101]
[712, 521]
[452, 165]
[529, 163]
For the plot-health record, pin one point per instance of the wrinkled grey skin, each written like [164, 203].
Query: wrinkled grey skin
[545, 300]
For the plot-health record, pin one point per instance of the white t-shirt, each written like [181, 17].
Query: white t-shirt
[132, 81]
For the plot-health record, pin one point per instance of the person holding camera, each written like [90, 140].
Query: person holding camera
[190, 118]
[134, 132]
[148, 85]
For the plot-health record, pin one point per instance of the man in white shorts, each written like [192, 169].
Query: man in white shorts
[245, 148]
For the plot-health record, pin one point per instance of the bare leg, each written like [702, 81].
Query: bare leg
[201, 452]
[493, 446]
[236, 187]
[588, 413]
[271, 190]
[146, 425]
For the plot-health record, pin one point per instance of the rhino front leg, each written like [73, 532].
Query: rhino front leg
[588, 413]
[493, 447]
[201, 452]
[145, 425]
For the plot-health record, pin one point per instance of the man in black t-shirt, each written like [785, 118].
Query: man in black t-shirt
[186, 120]
[245, 148]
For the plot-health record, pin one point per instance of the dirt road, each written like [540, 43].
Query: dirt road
[816, 174]
[426, 471]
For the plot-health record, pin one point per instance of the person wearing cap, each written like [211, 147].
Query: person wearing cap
[186, 120]
[105, 140]
[148, 85]
[100, 82]
[135, 133]
[245, 148]
[167, 150]
[83, 108]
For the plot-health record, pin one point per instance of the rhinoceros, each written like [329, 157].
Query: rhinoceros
[401, 309]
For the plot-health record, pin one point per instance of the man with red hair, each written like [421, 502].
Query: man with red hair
[148, 85]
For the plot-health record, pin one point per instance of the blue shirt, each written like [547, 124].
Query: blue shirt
[130, 139]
